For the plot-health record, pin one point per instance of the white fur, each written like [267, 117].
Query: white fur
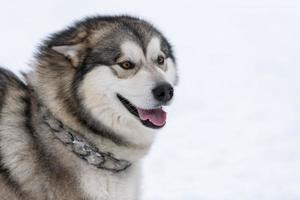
[171, 72]
[168, 71]
[103, 185]
[153, 49]
[131, 51]
[101, 85]
[99, 89]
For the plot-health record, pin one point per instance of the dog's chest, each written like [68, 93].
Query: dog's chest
[97, 184]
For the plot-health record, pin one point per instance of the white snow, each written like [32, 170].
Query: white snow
[234, 130]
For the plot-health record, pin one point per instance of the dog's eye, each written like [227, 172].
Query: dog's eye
[160, 60]
[127, 65]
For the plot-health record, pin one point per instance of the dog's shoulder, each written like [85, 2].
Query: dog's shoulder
[9, 78]
[10, 86]
[14, 100]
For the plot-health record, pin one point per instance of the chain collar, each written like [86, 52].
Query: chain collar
[82, 148]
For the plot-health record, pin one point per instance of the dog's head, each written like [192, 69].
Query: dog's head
[116, 72]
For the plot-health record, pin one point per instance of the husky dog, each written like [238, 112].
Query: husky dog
[87, 113]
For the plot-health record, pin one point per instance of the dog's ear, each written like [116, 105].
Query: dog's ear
[71, 52]
[70, 43]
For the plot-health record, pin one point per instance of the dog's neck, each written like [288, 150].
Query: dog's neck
[121, 151]
[80, 146]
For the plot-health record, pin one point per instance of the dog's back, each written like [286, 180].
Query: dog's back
[13, 106]
[9, 81]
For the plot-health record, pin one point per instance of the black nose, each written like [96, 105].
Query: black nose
[163, 92]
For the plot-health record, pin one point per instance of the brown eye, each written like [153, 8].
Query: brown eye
[160, 60]
[127, 65]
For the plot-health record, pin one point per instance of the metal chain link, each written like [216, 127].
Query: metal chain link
[82, 148]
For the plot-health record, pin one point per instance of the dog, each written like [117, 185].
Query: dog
[79, 123]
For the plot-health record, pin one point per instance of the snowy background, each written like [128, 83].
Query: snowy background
[234, 130]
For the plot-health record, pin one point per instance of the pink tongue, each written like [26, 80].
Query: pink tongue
[158, 117]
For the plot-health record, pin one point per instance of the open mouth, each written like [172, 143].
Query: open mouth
[152, 118]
